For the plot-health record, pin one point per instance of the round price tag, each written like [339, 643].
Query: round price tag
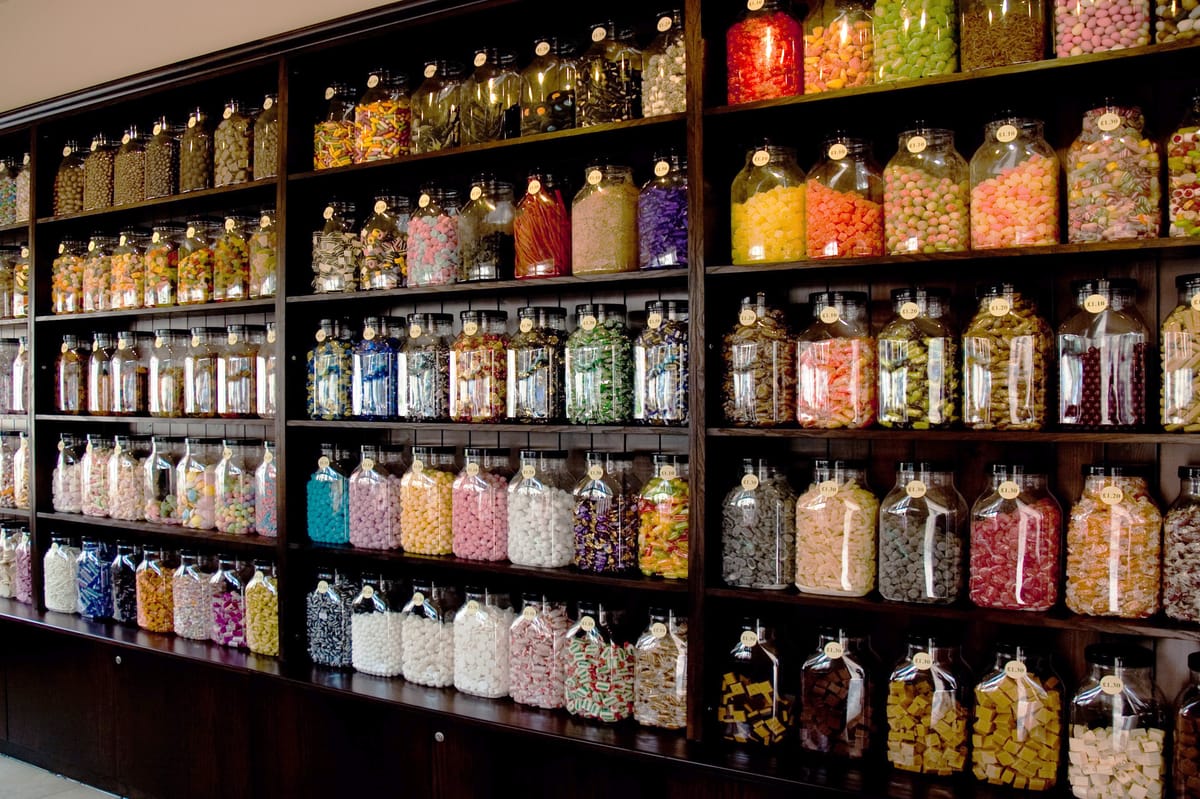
[595, 471]
[95, 146]
[230, 223]
[1111, 684]
[999, 306]
[1195, 302]
[155, 237]
[372, 82]
[1009, 490]
[588, 323]
[232, 338]
[1111, 495]
[268, 456]
[472, 607]
[747, 317]
[322, 587]
[829, 315]
[64, 348]
[24, 252]
[664, 24]
[227, 113]
[915, 489]
[749, 638]
[191, 232]
[61, 446]
[418, 598]
[754, 5]
[323, 462]
[414, 331]
[837, 151]
[587, 624]
[66, 151]
[264, 221]
[88, 448]
[157, 128]
[828, 488]
[91, 246]
[368, 591]
[910, 310]
[594, 177]
[480, 59]
[117, 449]
[227, 453]
[423, 201]
[525, 325]
[528, 471]
[380, 206]
[268, 104]
[328, 212]
[125, 139]
[321, 335]
[1006, 133]
[529, 613]
[1015, 669]
[654, 320]
[63, 248]
[1108, 121]
[749, 482]
[329, 92]
[470, 328]
[535, 186]
[25, 160]
[598, 34]
[472, 469]
[923, 661]
[430, 70]
[122, 344]
[760, 158]
[658, 630]
[368, 464]
[541, 48]
[661, 168]
[271, 336]
[418, 466]
[834, 650]
[122, 240]
[668, 472]
[476, 192]
[1095, 303]
[368, 333]
[916, 144]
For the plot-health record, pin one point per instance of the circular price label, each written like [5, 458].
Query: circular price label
[227, 113]
[61, 446]
[64, 348]
[91, 246]
[910, 310]
[230, 223]
[476, 192]
[155, 237]
[117, 450]
[834, 650]
[528, 471]
[999, 306]
[368, 333]
[1108, 121]
[321, 335]
[24, 252]
[915, 489]
[25, 159]
[157, 128]
[66, 151]
[1111, 684]
[654, 320]
[418, 466]
[480, 59]
[1009, 490]
[535, 186]
[595, 471]
[588, 323]
[587, 624]
[329, 92]
[368, 591]
[1111, 495]
[749, 638]
[264, 221]
[95, 346]
[322, 587]
[923, 660]
[1196, 302]
[470, 328]
[368, 464]
[529, 612]
[828, 488]
[323, 462]
[268, 456]
[594, 177]
[195, 341]
[122, 344]
[418, 598]
[525, 325]
[232, 338]
[88, 448]
[268, 104]
[372, 82]
[747, 317]
[414, 331]
[125, 139]
[754, 5]
[63, 248]
[227, 453]
[541, 48]
[271, 336]
[658, 630]
[837, 151]
[191, 232]
[423, 201]
[598, 34]
[158, 342]
[95, 146]
[430, 70]
[1095, 303]
[661, 168]
[380, 206]
[122, 241]
[760, 158]
[664, 24]
[472, 469]
[192, 121]
[1006, 133]
[668, 472]
[1015, 669]
[749, 482]
[829, 315]
[473, 607]
[916, 144]
[328, 212]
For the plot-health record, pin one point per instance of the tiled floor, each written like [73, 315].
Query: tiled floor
[19, 780]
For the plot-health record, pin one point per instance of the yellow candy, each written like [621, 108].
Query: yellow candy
[769, 226]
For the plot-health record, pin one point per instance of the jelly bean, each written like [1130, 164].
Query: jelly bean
[1176, 20]
[1113, 179]
[1097, 26]
[763, 57]
[769, 226]
[1018, 207]
[842, 224]
[915, 39]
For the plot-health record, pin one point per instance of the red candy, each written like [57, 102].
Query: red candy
[1014, 557]
[763, 56]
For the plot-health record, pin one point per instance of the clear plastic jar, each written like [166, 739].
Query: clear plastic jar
[233, 146]
[592, 648]
[100, 377]
[758, 529]
[918, 362]
[660, 672]
[98, 174]
[96, 282]
[266, 481]
[166, 373]
[922, 533]
[997, 33]
[541, 511]
[604, 222]
[663, 519]
[191, 595]
[382, 118]
[927, 709]
[162, 266]
[328, 612]
[231, 260]
[60, 576]
[1086, 26]
[844, 203]
[764, 54]
[263, 257]
[93, 580]
[1118, 725]
[1183, 165]
[237, 372]
[385, 244]
[481, 652]
[915, 39]
[610, 77]
[66, 287]
[548, 88]
[606, 515]
[333, 136]
[337, 252]
[22, 473]
[660, 365]
[330, 372]
[542, 229]
[155, 597]
[1184, 735]
[1017, 722]
[537, 649]
[161, 178]
[436, 107]
[160, 480]
[71, 376]
[129, 169]
[426, 493]
[536, 365]
[195, 265]
[328, 498]
[373, 382]
[66, 482]
[767, 217]
[266, 139]
[69, 180]
[835, 531]
[837, 689]
[424, 372]
[201, 384]
[1181, 549]
[664, 75]
[1102, 358]
[662, 214]
[1016, 542]
[375, 498]
[478, 368]
[130, 368]
[1180, 347]
[839, 49]
[599, 368]
[266, 380]
[228, 604]
[375, 629]
[1006, 361]
[124, 583]
[127, 286]
[759, 382]
[485, 231]
[234, 478]
[755, 707]
[926, 195]
[20, 294]
[196, 153]
[196, 484]
[1113, 172]
[1113, 542]
[428, 632]
[127, 479]
[1014, 186]
[262, 610]
[836, 363]
[491, 98]
[434, 255]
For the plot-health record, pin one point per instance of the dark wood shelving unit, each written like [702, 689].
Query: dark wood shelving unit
[996, 436]
[15, 227]
[206, 309]
[167, 532]
[481, 427]
[161, 421]
[177, 204]
[15, 513]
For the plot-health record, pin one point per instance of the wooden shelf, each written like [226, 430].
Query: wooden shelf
[482, 570]
[999, 436]
[66, 418]
[588, 133]
[478, 427]
[177, 204]
[23, 514]
[200, 538]
[15, 227]
[207, 309]
[1059, 619]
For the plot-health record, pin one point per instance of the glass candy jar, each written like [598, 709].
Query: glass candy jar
[541, 511]
[191, 595]
[96, 281]
[68, 181]
[1180, 349]
[478, 366]
[548, 88]
[100, 373]
[922, 534]
[337, 252]
[333, 135]
[1014, 186]
[434, 254]
[196, 257]
[155, 597]
[926, 190]
[927, 709]
[266, 139]
[758, 529]
[844, 203]
[1181, 549]
[915, 39]
[162, 160]
[195, 484]
[837, 692]
[98, 174]
[231, 260]
[330, 372]
[1113, 171]
[593, 652]
[129, 169]
[327, 614]
[162, 266]
[997, 33]
[373, 391]
[604, 222]
[660, 672]
[328, 499]
[1018, 712]
[542, 229]
[663, 519]
[66, 277]
[266, 482]
[1183, 165]
[382, 118]
[839, 50]
[234, 478]
[436, 108]
[662, 214]
[536, 365]
[485, 231]
[599, 366]
[835, 531]
[481, 652]
[160, 485]
[385, 244]
[426, 502]
[262, 610]
[764, 54]
[196, 154]
[491, 98]
[228, 585]
[836, 363]
[375, 630]
[424, 370]
[768, 198]
[660, 365]
[606, 515]
[918, 362]
[610, 77]
[66, 482]
[536, 653]
[755, 707]
[71, 376]
[375, 498]
[1086, 26]
[428, 633]
[759, 382]
[664, 88]
[263, 255]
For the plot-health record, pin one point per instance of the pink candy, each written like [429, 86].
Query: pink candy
[1094, 26]
[479, 516]
[1018, 207]
[228, 619]
[375, 510]
[536, 657]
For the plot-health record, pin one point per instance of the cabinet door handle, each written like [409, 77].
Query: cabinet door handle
[117, 660]
[439, 737]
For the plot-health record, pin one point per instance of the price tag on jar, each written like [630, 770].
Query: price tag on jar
[749, 482]
[418, 598]
[1015, 669]
[529, 613]
[232, 338]
[910, 310]
[472, 607]
[155, 237]
[61, 446]
[664, 24]
[999, 306]
[322, 587]
[418, 466]
[157, 128]
[24, 252]
[125, 139]
[63, 248]
[323, 462]
[654, 320]
[747, 317]
[368, 464]
[327, 213]
[588, 323]
[329, 92]
[1195, 302]
[587, 624]
[123, 240]
[1108, 121]
[915, 489]
[196, 341]
[472, 469]
[117, 449]
[268, 104]
[372, 82]
[1095, 303]
[526, 325]
[476, 192]
[271, 336]
[837, 151]
[430, 70]
[122, 343]
[668, 472]
[760, 158]
[661, 168]
[368, 333]
[91, 246]
[749, 638]
[594, 177]
[1009, 490]
[66, 151]
[480, 58]
[754, 5]
[534, 187]
[368, 591]
[595, 471]
[192, 120]
[321, 335]
[828, 488]
[227, 113]
[227, 453]
[829, 315]
[380, 206]
[916, 144]
[923, 661]
[423, 201]
[834, 650]
[191, 232]
[541, 48]
[470, 328]
[268, 456]
[230, 223]
[414, 331]
[264, 222]
[1006, 133]
[1111, 495]
[95, 146]
[528, 471]
[1111, 684]
[658, 630]
[599, 33]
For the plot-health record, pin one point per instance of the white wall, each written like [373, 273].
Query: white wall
[51, 47]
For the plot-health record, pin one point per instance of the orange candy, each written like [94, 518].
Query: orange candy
[842, 224]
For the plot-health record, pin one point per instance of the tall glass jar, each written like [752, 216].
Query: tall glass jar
[263, 249]
[839, 50]
[491, 98]
[1183, 164]
[333, 135]
[764, 54]
[66, 482]
[165, 381]
[1180, 347]
[266, 482]
[330, 372]
[537, 649]
[599, 366]
[22, 181]
[536, 366]
[918, 362]
[162, 265]
[130, 369]
[758, 529]
[662, 214]
[375, 498]
[541, 511]
[548, 88]
[1181, 549]
[606, 515]
[604, 222]
[385, 244]
[195, 275]
[233, 145]
[374, 383]
[66, 277]
[428, 633]
[262, 610]
[23, 580]
[1102, 358]
[196, 153]
[767, 217]
[1017, 722]
[478, 368]
[191, 596]
[155, 597]
[436, 106]
[1113, 171]
[835, 531]
[94, 581]
[481, 653]
[9, 441]
[8, 259]
[844, 206]
[98, 174]
[664, 88]
[160, 489]
[426, 502]
[327, 613]
[71, 376]
[542, 229]
[1006, 358]
[96, 282]
[195, 484]
[328, 499]
[660, 365]
[100, 378]
[336, 251]
[663, 519]
[926, 194]
[759, 383]
[20, 296]
[1113, 542]
[60, 576]
[1086, 26]
[1118, 724]
[129, 169]
[997, 33]
[837, 691]
[237, 372]
[927, 709]
[382, 118]
[231, 260]
[228, 603]
[660, 672]
[836, 363]
[1016, 541]
[922, 534]
[915, 39]
[610, 77]
[592, 648]
[485, 231]
[9, 349]
[434, 255]
[23, 473]
[1185, 732]
[201, 383]
[69, 180]
[123, 574]
[1014, 186]
[162, 160]
[375, 630]
[266, 139]
[234, 478]
[128, 283]
[755, 706]
[424, 371]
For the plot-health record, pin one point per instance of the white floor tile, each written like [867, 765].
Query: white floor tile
[20, 780]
